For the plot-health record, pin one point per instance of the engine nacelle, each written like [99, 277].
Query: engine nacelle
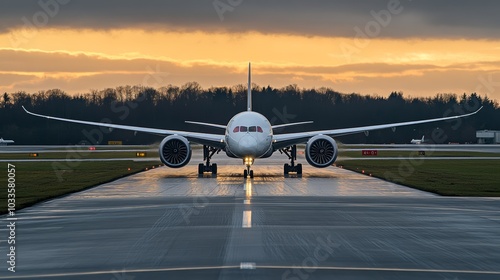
[175, 151]
[321, 151]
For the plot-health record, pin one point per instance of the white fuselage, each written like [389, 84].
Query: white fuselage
[249, 135]
[417, 141]
[5, 142]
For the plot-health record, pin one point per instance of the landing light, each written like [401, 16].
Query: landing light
[248, 161]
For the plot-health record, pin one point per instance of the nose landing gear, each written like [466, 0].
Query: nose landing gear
[247, 172]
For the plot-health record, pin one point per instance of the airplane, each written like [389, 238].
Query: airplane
[417, 141]
[249, 136]
[6, 142]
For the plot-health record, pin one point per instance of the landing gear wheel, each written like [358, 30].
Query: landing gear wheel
[299, 169]
[286, 168]
[214, 169]
[251, 173]
[201, 168]
[245, 174]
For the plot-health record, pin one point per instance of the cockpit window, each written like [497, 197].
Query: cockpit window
[248, 129]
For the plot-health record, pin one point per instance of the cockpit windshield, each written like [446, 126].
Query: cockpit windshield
[248, 129]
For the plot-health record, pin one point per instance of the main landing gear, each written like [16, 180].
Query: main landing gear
[291, 152]
[208, 152]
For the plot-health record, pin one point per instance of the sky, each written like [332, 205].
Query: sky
[368, 46]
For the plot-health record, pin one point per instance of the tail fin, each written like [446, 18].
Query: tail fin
[423, 138]
[249, 94]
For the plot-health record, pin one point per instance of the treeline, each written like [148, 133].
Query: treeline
[168, 107]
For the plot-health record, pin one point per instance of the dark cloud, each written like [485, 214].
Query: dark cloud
[423, 18]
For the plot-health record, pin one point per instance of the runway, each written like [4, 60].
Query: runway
[329, 224]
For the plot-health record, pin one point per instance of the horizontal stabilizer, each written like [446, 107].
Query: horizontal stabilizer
[290, 124]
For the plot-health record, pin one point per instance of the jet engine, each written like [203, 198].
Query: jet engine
[175, 151]
[321, 151]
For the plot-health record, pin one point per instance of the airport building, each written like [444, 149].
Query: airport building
[488, 136]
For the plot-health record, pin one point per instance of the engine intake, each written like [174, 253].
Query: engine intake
[175, 151]
[321, 151]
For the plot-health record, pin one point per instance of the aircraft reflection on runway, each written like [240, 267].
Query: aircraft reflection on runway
[248, 188]
[247, 213]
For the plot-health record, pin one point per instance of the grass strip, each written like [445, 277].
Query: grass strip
[445, 177]
[40, 181]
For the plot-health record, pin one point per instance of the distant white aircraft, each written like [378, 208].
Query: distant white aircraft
[249, 136]
[417, 141]
[6, 142]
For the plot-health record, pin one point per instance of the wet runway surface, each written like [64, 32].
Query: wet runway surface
[329, 224]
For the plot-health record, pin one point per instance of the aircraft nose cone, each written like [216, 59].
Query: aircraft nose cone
[248, 145]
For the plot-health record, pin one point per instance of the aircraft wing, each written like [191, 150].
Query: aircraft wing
[286, 140]
[207, 124]
[290, 124]
[213, 140]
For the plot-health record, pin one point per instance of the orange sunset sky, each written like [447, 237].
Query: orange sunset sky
[371, 47]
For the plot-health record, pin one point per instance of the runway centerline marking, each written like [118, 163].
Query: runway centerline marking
[247, 265]
[247, 219]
